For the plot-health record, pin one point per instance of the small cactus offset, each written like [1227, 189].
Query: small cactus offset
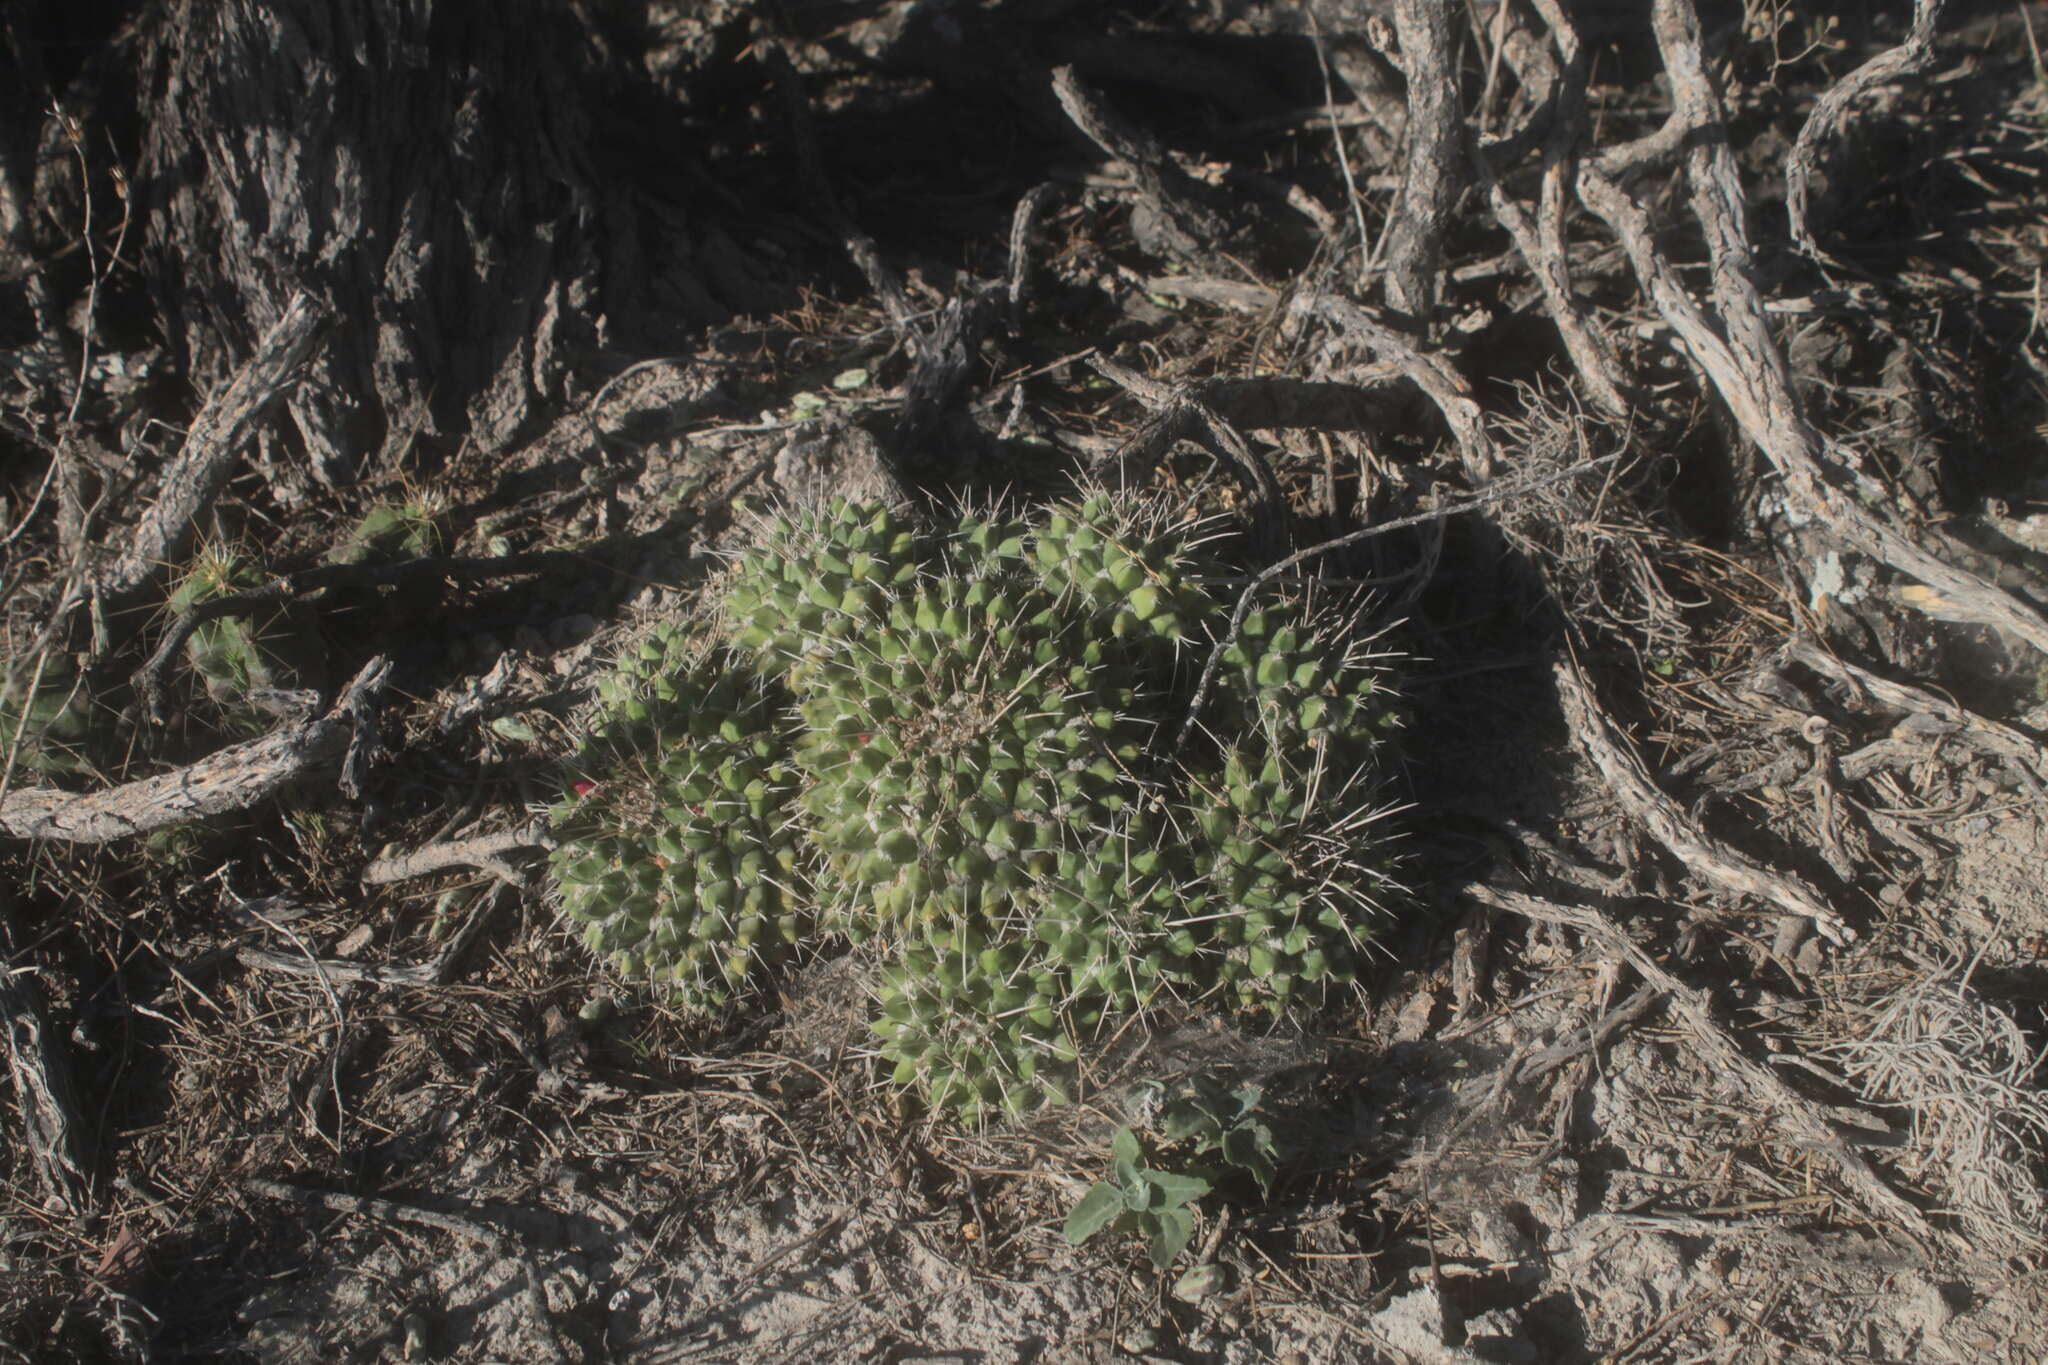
[237, 657]
[956, 745]
[52, 726]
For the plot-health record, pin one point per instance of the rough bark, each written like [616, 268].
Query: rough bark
[217, 436]
[1429, 191]
[424, 170]
[235, 778]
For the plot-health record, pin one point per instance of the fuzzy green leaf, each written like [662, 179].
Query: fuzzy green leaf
[1175, 1189]
[1170, 1233]
[1097, 1209]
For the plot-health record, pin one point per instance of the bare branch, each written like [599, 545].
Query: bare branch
[1830, 115]
[484, 851]
[1189, 227]
[1630, 781]
[1430, 372]
[233, 779]
[44, 1097]
[223, 427]
[1742, 358]
[1429, 191]
[1809, 1120]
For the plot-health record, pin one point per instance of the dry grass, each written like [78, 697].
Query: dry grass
[1969, 1079]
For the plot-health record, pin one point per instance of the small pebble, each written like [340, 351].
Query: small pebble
[1720, 1326]
[1138, 1340]
[1203, 1281]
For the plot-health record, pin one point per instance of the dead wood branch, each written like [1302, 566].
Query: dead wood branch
[223, 427]
[1586, 1041]
[1185, 224]
[1413, 244]
[945, 353]
[1542, 243]
[1630, 781]
[1544, 250]
[1181, 414]
[1430, 372]
[1743, 360]
[235, 778]
[1812, 1124]
[1987, 735]
[1024, 225]
[44, 1097]
[483, 851]
[1829, 121]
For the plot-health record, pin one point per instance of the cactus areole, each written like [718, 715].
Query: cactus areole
[952, 746]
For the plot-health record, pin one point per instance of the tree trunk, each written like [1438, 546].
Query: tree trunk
[423, 169]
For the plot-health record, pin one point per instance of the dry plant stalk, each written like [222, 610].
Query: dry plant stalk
[1971, 1079]
[233, 778]
[1810, 1124]
[1630, 781]
[224, 426]
[1740, 355]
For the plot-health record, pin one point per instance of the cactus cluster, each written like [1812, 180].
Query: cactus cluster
[676, 851]
[961, 746]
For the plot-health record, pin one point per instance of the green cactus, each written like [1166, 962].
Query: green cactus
[977, 1028]
[237, 655]
[55, 733]
[947, 744]
[1129, 573]
[390, 532]
[676, 856]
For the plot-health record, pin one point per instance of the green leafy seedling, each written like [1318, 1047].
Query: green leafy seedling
[1222, 1123]
[1139, 1199]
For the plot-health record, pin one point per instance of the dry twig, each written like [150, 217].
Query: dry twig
[1742, 358]
[1632, 785]
[44, 1096]
[1829, 118]
[235, 778]
[1414, 235]
[1430, 372]
[1970, 1078]
[212, 446]
[1187, 226]
[437, 972]
[1985, 734]
[482, 851]
[1811, 1122]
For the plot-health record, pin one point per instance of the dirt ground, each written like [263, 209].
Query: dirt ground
[1700, 355]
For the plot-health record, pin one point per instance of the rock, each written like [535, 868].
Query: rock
[833, 458]
[1204, 1281]
[1413, 1324]
[1497, 1336]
